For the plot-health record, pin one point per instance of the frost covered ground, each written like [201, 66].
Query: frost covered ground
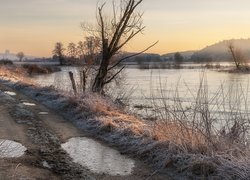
[131, 135]
[42, 131]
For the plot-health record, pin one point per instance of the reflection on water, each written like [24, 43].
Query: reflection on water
[11, 149]
[97, 157]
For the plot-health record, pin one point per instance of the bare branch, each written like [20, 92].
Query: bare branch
[102, 22]
[120, 25]
[133, 34]
[133, 55]
[113, 77]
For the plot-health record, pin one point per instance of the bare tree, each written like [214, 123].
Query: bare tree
[115, 32]
[20, 56]
[237, 55]
[58, 52]
[80, 50]
[72, 50]
[178, 59]
[91, 51]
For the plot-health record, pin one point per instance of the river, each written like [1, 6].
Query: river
[145, 87]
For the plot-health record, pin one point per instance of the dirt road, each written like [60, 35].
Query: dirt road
[42, 132]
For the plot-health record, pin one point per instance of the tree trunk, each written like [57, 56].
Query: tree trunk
[61, 60]
[103, 70]
[100, 77]
[71, 75]
[83, 80]
[236, 61]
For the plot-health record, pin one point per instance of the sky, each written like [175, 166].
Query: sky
[33, 26]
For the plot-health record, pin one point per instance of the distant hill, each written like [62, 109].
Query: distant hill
[220, 52]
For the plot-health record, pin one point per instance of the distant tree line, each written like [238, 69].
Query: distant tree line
[20, 56]
[84, 52]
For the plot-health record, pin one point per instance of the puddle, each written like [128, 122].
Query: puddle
[28, 104]
[97, 157]
[11, 149]
[43, 113]
[10, 93]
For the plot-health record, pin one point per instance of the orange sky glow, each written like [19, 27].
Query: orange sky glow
[33, 26]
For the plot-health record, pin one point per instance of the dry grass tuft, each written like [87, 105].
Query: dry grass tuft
[111, 116]
[204, 168]
[15, 73]
[107, 125]
[186, 138]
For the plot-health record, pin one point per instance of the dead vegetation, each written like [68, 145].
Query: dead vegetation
[207, 138]
[208, 124]
[14, 73]
[36, 69]
[22, 72]
[5, 62]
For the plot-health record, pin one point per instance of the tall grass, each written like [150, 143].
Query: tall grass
[209, 123]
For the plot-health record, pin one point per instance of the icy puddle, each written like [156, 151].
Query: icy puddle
[10, 93]
[11, 149]
[28, 104]
[97, 157]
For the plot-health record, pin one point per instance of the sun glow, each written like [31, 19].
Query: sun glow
[34, 26]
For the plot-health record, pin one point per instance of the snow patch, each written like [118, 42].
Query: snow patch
[29, 104]
[10, 93]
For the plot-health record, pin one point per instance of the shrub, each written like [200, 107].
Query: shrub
[35, 69]
[6, 62]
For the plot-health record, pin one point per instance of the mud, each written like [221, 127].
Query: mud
[44, 147]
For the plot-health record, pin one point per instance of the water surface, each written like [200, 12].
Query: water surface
[11, 149]
[97, 157]
[227, 93]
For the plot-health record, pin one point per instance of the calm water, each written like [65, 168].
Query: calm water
[143, 84]
[226, 93]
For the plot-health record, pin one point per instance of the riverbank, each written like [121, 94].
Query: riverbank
[42, 131]
[27, 69]
[131, 135]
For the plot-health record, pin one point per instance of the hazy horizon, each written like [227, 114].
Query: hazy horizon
[33, 26]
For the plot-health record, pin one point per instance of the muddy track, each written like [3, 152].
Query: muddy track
[42, 132]
[44, 147]
[48, 152]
